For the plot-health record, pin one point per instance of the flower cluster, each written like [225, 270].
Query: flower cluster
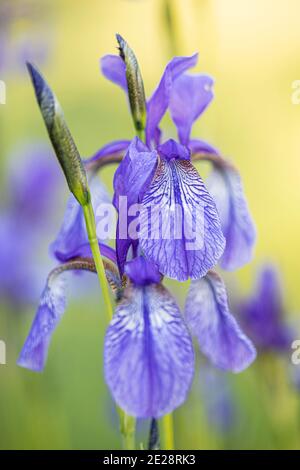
[185, 228]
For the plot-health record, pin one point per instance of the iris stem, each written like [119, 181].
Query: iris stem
[127, 423]
[127, 430]
[92, 236]
[168, 432]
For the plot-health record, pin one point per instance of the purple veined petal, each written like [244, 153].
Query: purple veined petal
[173, 150]
[51, 308]
[72, 234]
[190, 96]
[200, 146]
[225, 186]
[209, 319]
[262, 314]
[113, 148]
[84, 251]
[114, 69]
[142, 272]
[180, 230]
[159, 102]
[148, 355]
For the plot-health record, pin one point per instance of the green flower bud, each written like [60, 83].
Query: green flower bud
[135, 85]
[61, 138]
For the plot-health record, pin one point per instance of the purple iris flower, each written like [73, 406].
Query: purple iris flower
[148, 351]
[262, 314]
[161, 175]
[148, 355]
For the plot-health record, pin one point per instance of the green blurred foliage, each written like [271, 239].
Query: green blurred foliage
[252, 49]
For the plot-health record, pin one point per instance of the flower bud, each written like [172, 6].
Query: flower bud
[61, 138]
[135, 85]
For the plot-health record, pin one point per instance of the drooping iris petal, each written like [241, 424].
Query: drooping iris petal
[72, 234]
[131, 180]
[114, 69]
[225, 186]
[111, 149]
[263, 313]
[51, 308]
[200, 146]
[191, 94]
[84, 251]
[180, 229]
[148, 355]
[159, 102]
[142, 272]
[209, 319]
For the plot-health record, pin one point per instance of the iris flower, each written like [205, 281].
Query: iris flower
[162, 174]
[262, 314]
[148, 351]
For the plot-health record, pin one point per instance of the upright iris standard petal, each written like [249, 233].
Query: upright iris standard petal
[114, 69]
[148, 355]
[131, 180]
[219, 336]
[191, 94]
[159, 102]
[72, 235]
[224, 184]
[51, 308]
[263, 313]
[180, 229]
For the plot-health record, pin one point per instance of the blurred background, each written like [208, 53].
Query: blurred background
[252, 49]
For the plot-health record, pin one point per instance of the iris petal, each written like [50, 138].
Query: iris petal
[51, 308]
[180, 229]
[148, 356]
[72, 234]
[219, 336]
[191, 94]
[224, 184]
[159, 102]
[114, 69]
[131, 180]
[200, 146]
[262, 314]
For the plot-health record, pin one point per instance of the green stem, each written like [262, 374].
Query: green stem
[91, 231]
[127, 423]
[127, 430]
[168, 432]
